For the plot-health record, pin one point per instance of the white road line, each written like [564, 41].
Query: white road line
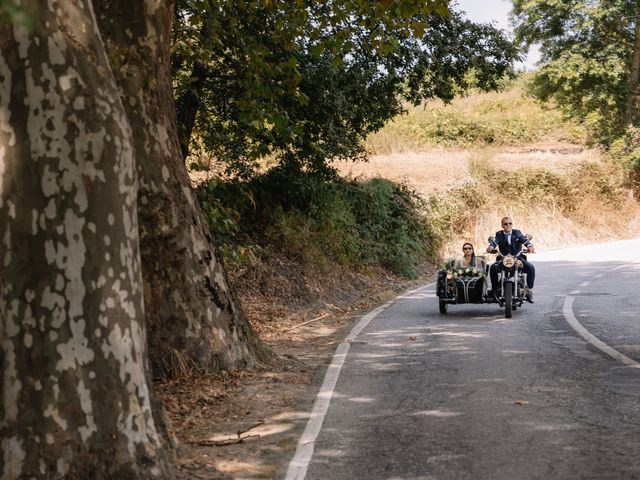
[299, 464]
[567, 310]
[584, 284]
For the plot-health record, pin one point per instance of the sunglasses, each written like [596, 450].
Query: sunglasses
[467, 248]
[508, 223]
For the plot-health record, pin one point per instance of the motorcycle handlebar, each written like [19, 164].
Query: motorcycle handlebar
[524, 250]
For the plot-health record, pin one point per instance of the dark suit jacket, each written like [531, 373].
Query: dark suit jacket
[517, 241]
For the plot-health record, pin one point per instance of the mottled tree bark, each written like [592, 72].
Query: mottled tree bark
[193, 320]
[75, 401]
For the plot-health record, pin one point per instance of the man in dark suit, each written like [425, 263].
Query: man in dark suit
[510, 241]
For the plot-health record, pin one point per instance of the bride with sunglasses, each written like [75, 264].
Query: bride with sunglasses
[469, 259]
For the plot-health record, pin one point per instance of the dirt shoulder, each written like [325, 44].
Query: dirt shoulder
[246, 424]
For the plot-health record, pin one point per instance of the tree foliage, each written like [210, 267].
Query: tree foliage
[11, 11]
[589, 58]
[305, 82]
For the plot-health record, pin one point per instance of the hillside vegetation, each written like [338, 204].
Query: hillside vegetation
[494, 154]
[438, 175]
[481, 119]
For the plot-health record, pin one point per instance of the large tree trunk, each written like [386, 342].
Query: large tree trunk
[189, 105]
[193, 320]
[75, 401]
[190, 101]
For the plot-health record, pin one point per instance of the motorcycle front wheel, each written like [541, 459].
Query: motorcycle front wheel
[508, 300]
[443, 307]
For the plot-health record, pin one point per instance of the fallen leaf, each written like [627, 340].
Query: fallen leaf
[412, 337]
[521, 402]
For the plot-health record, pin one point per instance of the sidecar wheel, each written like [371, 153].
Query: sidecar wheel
[443, 307]
[508, 301]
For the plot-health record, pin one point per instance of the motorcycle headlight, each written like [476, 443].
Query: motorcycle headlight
[508, 261]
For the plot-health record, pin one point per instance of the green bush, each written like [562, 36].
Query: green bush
[320, 219]
[450, 128]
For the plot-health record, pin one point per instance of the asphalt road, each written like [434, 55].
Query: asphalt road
[472, 395]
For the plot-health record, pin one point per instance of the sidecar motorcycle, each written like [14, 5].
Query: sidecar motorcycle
[463, 285]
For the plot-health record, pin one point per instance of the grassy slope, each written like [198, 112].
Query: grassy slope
[459, 155]
[495, 118]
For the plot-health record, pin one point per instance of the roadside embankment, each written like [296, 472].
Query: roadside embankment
[561, 193]
[488, 155]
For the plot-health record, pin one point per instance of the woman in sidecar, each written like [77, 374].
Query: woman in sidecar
[462, 280]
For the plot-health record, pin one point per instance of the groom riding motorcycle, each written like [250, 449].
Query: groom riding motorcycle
[510, 241]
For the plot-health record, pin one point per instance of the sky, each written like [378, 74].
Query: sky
[497, 12]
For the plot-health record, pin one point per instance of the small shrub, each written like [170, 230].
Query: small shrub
[625, 151]
[455, 212]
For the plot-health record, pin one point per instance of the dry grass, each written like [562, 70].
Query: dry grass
[425, 172]
[551, 229]
[439, 170]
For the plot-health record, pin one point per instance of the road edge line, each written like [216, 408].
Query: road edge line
[299, 464]
[567, 311]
